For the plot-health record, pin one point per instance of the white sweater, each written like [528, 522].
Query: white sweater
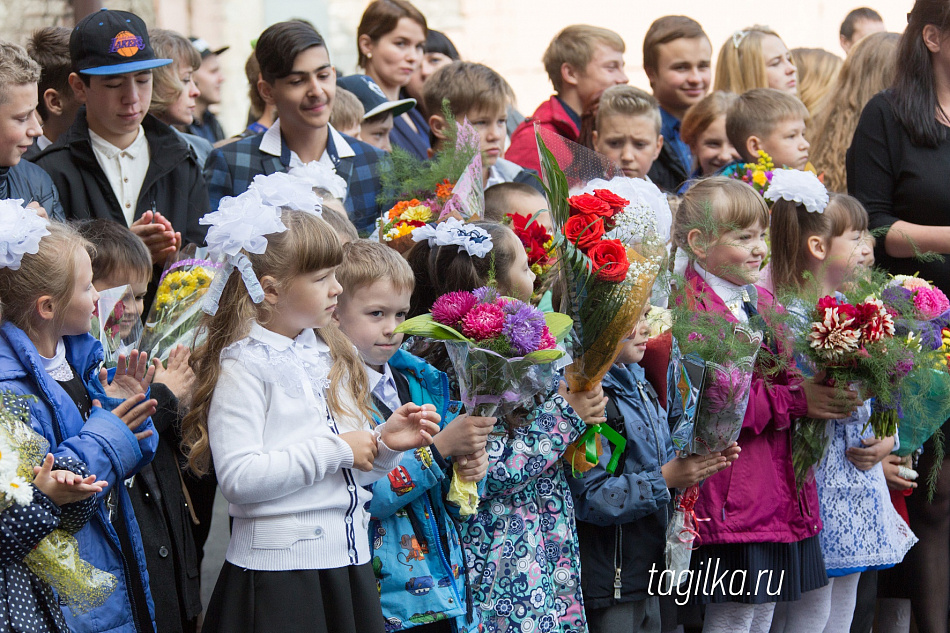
[296, 501]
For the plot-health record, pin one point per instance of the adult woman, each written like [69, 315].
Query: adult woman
[439, 51]
[868, 70]
[391, 41]
[897, 166]
[755, 57]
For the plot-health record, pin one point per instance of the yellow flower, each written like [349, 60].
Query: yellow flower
[759, 178]
[420, 213]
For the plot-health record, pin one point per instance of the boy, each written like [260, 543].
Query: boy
[346, 115]
[378, 111]
[627, 130]
[677, 60]
[49, 47]
[581, 61]
[160, 505]
[297, 77]
[768, 120]
[19, 125]
[859, 23]
[622, 517]
[208, 78]
[417, 554]
[116, 161]
[520, 199]
[479, 94]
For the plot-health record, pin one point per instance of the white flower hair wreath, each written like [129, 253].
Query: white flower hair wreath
[20, 232]
[473, 240]
[801, 187]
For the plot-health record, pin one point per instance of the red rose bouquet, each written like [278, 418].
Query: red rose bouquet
[539, 245]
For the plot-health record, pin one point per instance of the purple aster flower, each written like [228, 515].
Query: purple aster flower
[523, 329]
[451, 307]
[485, 294]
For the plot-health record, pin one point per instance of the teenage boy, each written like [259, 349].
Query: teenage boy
[859, 23]
[19, 125]
[772, 121]
[582, 61]
[117, 161]
[208, 78]
[378, 110]
[57, 107]
[297, 77]
[477, 93]
[412, 530]
[677, 58]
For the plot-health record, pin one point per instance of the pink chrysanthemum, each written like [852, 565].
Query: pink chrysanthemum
[547, 340]
[483, 321]
[451, 307]
[931, 302]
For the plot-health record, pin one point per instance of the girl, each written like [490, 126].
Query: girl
[817, 71]
[756, 57]
[704, 130]
[522, 544]
[862, 530]
[721, 224]
[284, 412]
[46, 351]
[868, 70]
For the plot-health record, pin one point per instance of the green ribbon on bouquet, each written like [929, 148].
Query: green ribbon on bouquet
[589, 441]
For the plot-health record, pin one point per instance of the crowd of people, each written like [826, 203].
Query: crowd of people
[339, 446]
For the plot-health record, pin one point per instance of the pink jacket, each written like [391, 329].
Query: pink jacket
[524, 146]
[755, 500]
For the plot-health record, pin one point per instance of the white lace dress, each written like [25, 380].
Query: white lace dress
[862, 530]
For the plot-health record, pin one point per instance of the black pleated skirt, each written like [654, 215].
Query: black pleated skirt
[342, 600]
[756, 573]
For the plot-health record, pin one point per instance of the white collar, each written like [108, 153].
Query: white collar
[271, 143]
[111, 151]
[374, 376]
[307, 339]
[726, 290]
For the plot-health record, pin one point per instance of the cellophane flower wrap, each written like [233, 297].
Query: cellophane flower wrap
[120, 329]
[176, 311]
[923, 319]
[718, 362]
[503, 351]
[539, 245]
[427, 192]
[55, 560]
[850, 339]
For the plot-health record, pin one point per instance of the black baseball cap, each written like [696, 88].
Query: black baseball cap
[112, 43]
[204, 49]
[372, 97]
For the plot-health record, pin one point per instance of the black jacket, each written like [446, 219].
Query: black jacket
[28, 182]
[173, 184]
[667, 171]
[164, 519]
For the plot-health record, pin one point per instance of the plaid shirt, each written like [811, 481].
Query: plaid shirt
[231, 168]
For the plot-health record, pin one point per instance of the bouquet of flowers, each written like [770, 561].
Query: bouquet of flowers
[176, 311]
[122, 327]
[56, 559]
[539, 246]
[852, 344]
[757, 175]
[503, 352]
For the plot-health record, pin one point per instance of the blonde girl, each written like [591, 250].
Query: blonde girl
[282, 408]
[756, 57]
[817, 71]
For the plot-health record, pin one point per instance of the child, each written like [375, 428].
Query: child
[861, 529]
[756, 57]
[159, 499]
[378, 111]
[581, 61]
[522, 545]
[46, 351]
[126, 168]
[288, 53]
[704, 130]
[19, 125]
[721, 223]
[677, 60]
[770, 121]
[622, 518]
[480, 95]
[347, 113]
[298, 558]
[415, 524]
[817, 71]
[517, 198]
[57, 107]
[627, 130]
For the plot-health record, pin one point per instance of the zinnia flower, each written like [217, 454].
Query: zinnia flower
[451, 307]
[483, 321]
[419, 213]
